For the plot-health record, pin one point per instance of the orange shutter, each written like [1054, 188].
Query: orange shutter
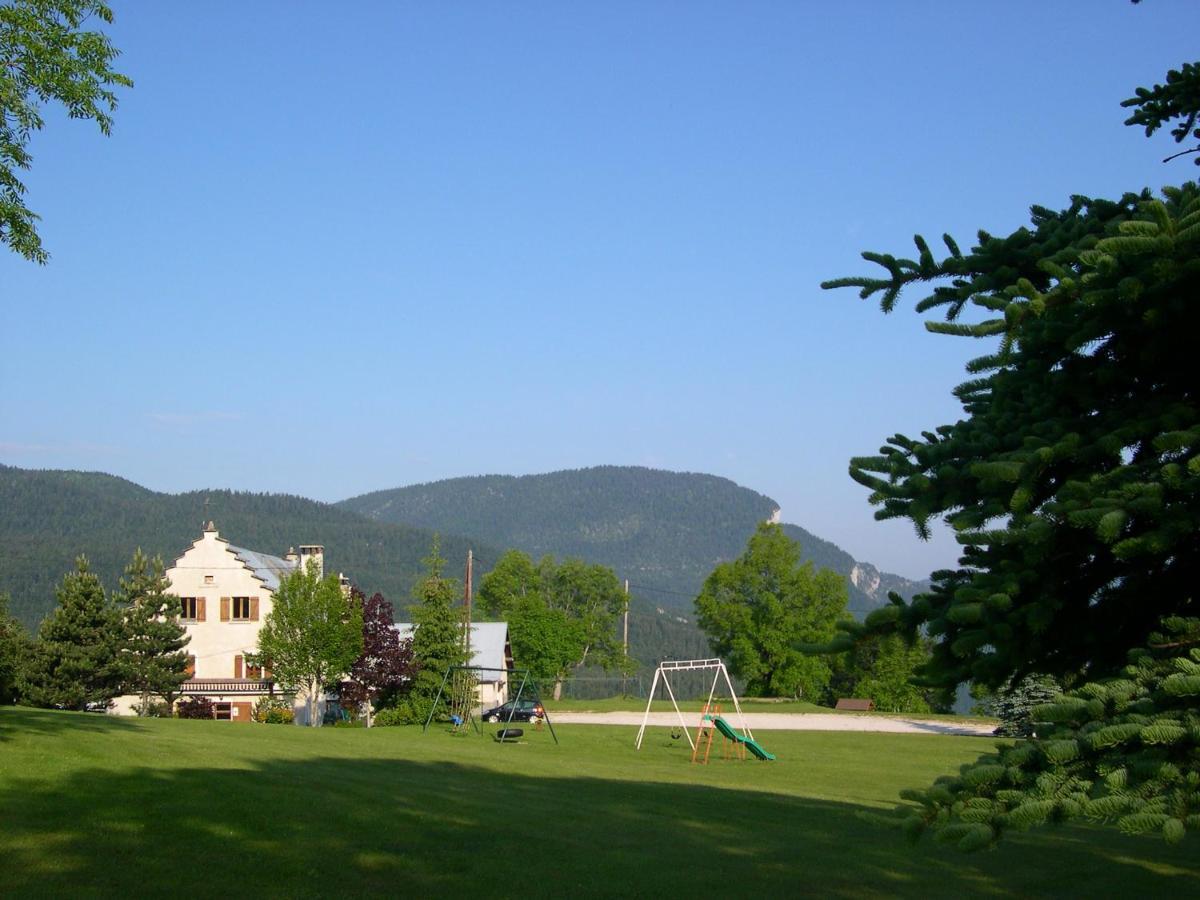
[237, 666]
[199, 609]
[190, 671]
[224, 609]
[253, 609]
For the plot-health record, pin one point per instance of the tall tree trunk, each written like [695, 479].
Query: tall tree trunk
[558, 683]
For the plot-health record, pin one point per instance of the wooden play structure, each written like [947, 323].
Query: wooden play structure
[734, 743]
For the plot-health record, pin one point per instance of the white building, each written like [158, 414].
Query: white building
[225, 593]
[490, 648]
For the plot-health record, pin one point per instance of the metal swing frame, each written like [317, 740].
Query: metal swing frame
[525, 679]
[690, 665]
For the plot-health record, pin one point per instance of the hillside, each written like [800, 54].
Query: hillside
[665, 531]
[47, 518]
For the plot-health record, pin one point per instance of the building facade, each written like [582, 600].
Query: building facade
[225, 593]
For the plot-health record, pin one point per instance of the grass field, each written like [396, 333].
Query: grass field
[749, 704]
[94, 806]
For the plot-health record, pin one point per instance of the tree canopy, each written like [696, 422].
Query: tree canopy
[1073, 484]
[152, 661]
[312, 635]
[47, 56]
[758, 609]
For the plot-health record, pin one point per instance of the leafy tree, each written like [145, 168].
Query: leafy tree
[73, 664]
[386, 664]
[881, 668]
[437, 641]
[561, 616]
[14, 651]
[152, 660]
[1073, 483]
[759, 607]
[46, 56]
[311, 637]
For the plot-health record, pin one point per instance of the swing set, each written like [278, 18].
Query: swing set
[734, 743]
[466, 706]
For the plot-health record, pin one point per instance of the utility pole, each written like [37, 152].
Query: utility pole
[467, 593]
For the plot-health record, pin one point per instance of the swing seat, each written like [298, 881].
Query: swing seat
[506, 735]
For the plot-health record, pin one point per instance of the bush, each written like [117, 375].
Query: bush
[404, 713]
[273, 711]
[154, 709]
[194, 708]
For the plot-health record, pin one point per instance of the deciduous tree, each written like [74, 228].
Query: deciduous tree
[47, 56]
[386, 665]
[757, 609]
[311, 637]
[14, 652]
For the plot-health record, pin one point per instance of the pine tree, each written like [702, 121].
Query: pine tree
[14, 652]
[152, 640]
[1073, 483]
[437, 641]
[73, 663]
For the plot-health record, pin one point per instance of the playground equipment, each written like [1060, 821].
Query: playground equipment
[463, 697]
[710, 717]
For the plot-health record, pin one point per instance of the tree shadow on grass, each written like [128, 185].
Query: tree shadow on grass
[27, 720]
[345, 826]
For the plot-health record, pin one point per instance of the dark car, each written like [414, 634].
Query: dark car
[521, 711]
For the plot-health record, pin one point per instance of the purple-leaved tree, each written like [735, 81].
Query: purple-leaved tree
[386, 665]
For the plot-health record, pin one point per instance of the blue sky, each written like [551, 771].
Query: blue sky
[336, 248]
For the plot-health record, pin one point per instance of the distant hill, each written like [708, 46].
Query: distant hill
[665, 531]
[47, 518]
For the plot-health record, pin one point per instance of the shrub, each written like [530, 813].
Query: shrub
[194, 708]
[404, 713]
[154, 709]
[273, 711]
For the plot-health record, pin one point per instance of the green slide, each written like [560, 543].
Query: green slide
[725, 729]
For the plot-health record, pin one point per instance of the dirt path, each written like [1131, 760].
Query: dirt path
[786, 722]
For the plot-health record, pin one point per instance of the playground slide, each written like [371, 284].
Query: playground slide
[725, 729]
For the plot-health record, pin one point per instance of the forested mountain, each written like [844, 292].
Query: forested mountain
[47, 518]
[664, 531]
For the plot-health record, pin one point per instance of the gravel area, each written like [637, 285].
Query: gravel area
[786, 722]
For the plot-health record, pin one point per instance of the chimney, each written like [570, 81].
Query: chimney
[316, 553]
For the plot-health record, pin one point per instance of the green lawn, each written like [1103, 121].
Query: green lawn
[92, 805]
[749, 704]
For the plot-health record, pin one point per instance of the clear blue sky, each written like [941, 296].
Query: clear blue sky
[332, 248]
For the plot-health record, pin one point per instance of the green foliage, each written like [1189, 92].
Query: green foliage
[195, 708]
[1072, 480]
[45, 56]
[881, 668]
[73, 663]
[152, 661]
[758, 608]
[1178, 100]
[273, 711]
[561, 616]
[14, 653]
[47, 518]
[437, 641]
[1014, 704]
[311, 637]
[661, 530]
[1124, 749]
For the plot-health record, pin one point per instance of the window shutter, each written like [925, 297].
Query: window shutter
[224, 609]
[253, 609]
[199, 609]
[190, 671]
[237, 666]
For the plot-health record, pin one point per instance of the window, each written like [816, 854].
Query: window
[189, 607]
[223, 711]
[254, 673]
[241, 608]
[208, 579]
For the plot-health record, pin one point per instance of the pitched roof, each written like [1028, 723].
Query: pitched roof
[488, 643]
[268, 569]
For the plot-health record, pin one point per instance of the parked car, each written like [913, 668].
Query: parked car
[522, 711]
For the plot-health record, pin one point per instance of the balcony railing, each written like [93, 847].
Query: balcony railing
[226, 686]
